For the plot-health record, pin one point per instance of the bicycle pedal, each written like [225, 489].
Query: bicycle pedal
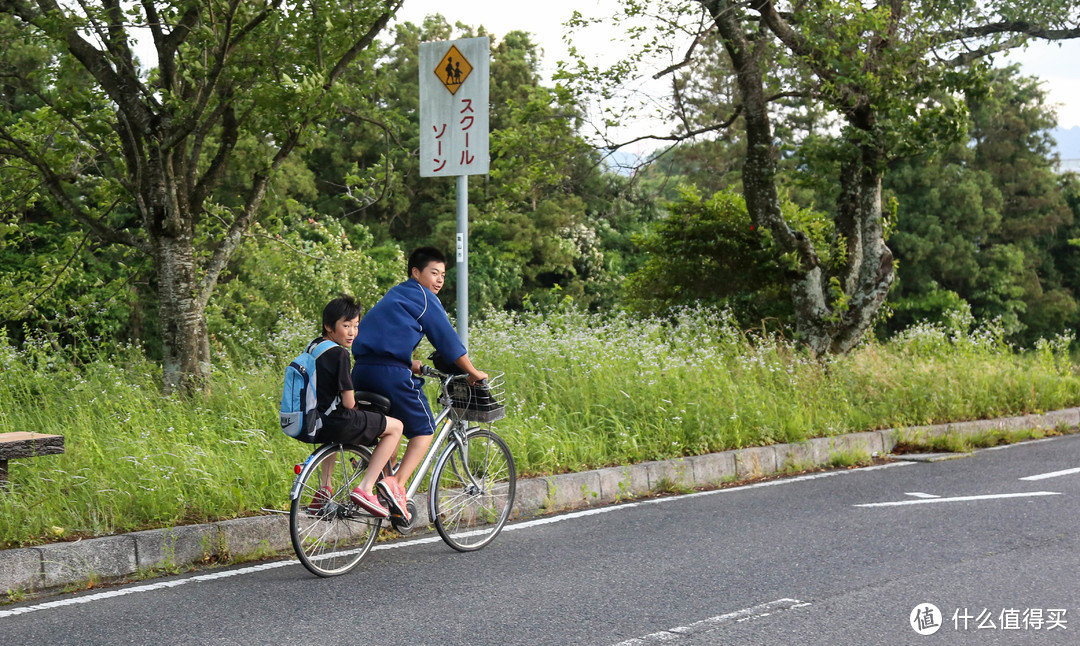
[398, 522]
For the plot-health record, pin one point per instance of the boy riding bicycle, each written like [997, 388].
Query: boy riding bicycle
[386, 339]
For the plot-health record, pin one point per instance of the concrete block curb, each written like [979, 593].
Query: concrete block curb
[110, 556]
[755, 462]
[250, 536]
[713, 468]
[529, 497]
[20, 569]
[572, 490]
[174, 546]
[677, 471]
[59, 564]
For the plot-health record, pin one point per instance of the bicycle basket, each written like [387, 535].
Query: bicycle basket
[479, 403]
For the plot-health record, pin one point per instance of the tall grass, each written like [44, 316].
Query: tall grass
[583, 392]
[587, 392]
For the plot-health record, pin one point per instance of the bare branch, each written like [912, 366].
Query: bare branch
[229, 135]
[386, 157]
[1032, 30]
[284, 244]
[232, 238]
[54, 184]
[970, 56]
[690, 134]
[687, 59]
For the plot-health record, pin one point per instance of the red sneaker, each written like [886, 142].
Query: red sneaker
[369, 503]
[321, 497]
[395, 495]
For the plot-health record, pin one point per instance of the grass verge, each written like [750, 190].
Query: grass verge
[583, 392]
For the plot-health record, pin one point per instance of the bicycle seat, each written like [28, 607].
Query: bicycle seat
[372, 401]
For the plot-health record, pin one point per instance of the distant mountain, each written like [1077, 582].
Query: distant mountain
[1068, 142]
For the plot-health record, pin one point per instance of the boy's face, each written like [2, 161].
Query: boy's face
[431, 276]
[344, 331]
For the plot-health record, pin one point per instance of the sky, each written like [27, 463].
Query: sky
[1057, 65]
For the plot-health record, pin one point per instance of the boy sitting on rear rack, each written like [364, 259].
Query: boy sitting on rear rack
[343, 422]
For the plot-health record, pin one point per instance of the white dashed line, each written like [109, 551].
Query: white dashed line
[712, 623]
[925, 501]
[1052, 474]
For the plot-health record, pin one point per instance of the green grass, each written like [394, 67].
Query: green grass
[955, 443]
[582, 392]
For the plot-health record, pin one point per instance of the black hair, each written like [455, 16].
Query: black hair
[421, 257]
[342, 307]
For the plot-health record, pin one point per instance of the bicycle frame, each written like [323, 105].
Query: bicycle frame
[468, 503]
[450, 427]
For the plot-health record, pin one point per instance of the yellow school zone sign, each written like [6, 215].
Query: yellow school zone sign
[453, 69]
[454, 107]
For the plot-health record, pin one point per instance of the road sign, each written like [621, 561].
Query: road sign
[453, 69]
[454, 107]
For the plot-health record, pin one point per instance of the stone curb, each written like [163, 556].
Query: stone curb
[59, 564]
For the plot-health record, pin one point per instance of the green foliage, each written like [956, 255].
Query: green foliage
[708, 251]
[988, 223]
[292, 275]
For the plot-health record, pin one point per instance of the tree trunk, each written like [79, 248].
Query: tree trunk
[832, 312]
[185, 343]
[868, 273]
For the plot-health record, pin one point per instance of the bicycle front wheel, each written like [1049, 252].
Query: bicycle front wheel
[472, 490]
[329, 533]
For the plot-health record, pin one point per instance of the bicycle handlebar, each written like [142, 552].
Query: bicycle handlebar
[428, 371]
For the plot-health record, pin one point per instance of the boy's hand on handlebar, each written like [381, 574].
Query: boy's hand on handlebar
[417, 367]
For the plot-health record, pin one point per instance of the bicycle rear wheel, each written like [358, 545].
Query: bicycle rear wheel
[472, 490]
[330, 534]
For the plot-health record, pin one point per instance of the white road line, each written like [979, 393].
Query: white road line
[712, 623]
[919, 494]
[1002, 447]
[925, 501]
[1052, 474]
[70, 601]
[202, 578]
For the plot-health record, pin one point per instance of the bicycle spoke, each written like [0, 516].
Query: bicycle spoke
[473, 497]
[334, 539]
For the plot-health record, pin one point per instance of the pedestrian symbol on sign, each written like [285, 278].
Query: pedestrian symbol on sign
[453, 69]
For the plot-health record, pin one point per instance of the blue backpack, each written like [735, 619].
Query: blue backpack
[300, 414]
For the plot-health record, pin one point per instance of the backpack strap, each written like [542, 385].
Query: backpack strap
[316, 349]
[316, 352]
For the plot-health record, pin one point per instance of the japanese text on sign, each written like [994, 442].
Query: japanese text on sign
[454, 107]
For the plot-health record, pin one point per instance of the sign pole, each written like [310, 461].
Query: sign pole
[454, 134]
[463, 258]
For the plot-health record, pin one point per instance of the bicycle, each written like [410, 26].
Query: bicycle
[470, 493]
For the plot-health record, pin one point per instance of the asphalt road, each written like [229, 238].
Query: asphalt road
[837, 558]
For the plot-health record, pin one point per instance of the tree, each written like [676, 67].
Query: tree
[887, 70]
[137, 157]
[55, 281]
[979, 222]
